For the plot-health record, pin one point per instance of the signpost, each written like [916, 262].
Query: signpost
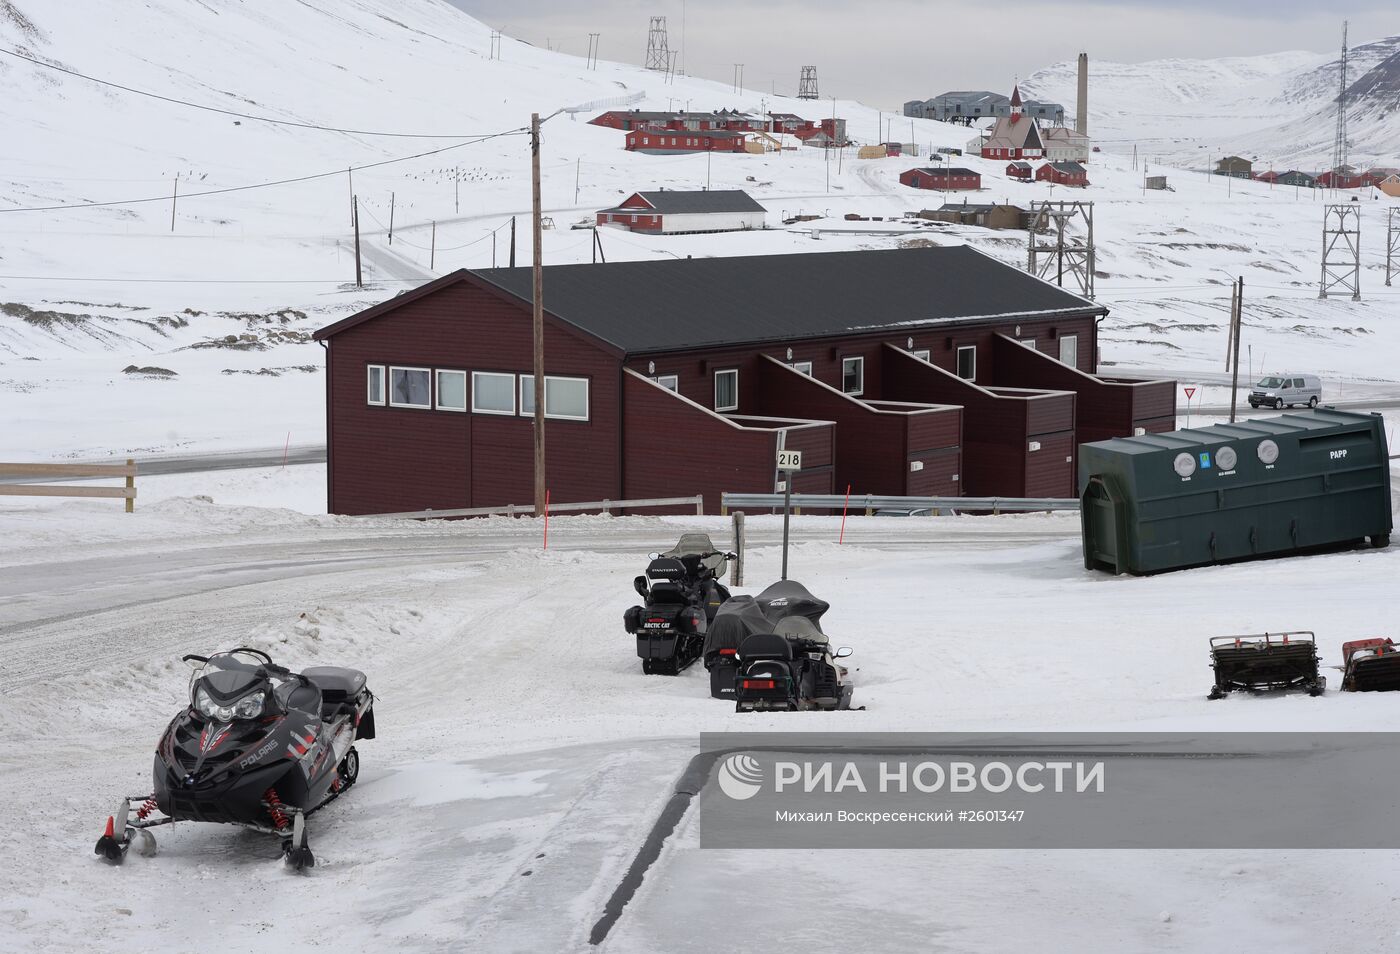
[789, 462]
[1190, 393]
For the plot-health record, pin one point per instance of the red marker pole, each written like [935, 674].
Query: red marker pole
[546, 518]
[844, 507]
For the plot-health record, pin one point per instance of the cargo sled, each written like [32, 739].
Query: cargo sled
[1370, 665]
[1269, 662]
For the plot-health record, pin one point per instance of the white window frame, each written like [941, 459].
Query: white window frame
[1074, 362]
[383, 385]
[389, 385]
[674, 379]
[958, 365]
[437, 390]
[923, 354]
[1029, 343]
[859, 361]
[487, 410]
[720, 374]
[527, 386]
[803, 367]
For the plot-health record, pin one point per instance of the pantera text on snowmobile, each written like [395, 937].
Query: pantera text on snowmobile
[683, 593]
[258, 746]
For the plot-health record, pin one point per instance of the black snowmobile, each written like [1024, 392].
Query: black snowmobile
[683, 593]
[259, 746]
[787, 662]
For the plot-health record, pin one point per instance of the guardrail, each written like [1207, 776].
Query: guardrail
[872, 503]
[526, 510]
[127, 470]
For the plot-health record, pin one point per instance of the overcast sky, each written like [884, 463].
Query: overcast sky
[884, 52]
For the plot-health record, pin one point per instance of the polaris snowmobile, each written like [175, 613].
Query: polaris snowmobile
[682, 594]
[791, 667]
[258, 746]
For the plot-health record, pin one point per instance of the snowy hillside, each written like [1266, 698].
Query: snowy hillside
[122, 335]
[1278, 108]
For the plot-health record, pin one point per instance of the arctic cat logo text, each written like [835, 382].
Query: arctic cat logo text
[257, 756]
[1337, 454]
[656, 624]
[780, 601]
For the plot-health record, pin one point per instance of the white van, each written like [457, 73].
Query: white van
[1286, 390]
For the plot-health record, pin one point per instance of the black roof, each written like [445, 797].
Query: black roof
[941, 171]
[977, 206]
[708, 200]
[1073, 167]
[684, 304]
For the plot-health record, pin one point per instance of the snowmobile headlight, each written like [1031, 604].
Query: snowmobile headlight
[249, 707]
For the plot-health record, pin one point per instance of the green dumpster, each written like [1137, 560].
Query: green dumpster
[1261, 488]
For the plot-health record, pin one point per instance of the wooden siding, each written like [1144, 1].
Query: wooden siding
[389, 459]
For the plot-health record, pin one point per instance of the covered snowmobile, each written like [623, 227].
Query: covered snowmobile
[791, 666]
[1267, 662]
[1370, 665]
[258, 746]
[682, 592]
[739, 618]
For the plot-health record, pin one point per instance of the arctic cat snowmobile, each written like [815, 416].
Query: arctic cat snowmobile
[682, 592]
[1270, 662]
[259, 746]
[1370, 665]
[791, 666]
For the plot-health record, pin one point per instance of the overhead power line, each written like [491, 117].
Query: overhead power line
[231, 112]
[265, 185]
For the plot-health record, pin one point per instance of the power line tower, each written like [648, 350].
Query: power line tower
[1341, 250]
[658, 55]
[1392, 243]
[1339, 146]
[807, 85]
[1054, 252]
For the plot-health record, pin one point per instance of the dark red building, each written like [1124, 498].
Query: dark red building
[1063, 173]
[940, 178]
[1020, 170]
[1344, 179]
[649, 139]
[919, 371]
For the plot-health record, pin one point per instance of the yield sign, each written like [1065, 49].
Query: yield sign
[1190, 393]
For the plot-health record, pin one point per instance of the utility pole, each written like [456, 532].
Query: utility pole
[350, 171]
[512, 241]
[1392, 242]
[174, 195]
[1236, 319]
[432, 251]
[578, 163]
[355, 216]
[457, 190]
[391, 218]
[538, 312]
[708, 152]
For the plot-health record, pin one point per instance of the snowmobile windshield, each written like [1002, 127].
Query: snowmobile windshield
[692, 545]
[239, 685]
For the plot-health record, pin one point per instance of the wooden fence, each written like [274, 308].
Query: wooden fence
[127, 470]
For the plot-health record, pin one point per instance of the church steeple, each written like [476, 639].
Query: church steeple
[1016, 103]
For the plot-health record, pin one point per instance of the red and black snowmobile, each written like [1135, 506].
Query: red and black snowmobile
[258, 746]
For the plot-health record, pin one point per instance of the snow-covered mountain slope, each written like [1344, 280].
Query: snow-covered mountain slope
[1279, 108]
[226, 298]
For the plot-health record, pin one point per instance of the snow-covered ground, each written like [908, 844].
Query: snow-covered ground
[522, 755]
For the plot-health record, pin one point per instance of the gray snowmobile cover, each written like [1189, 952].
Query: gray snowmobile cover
[739, 618]
[791, 598]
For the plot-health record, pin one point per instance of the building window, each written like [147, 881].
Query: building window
[565, 399]
[727, 390]
[409, 387]
[1029, 343]
[853, 375]
[493, 393]
[452, 390]
[803, 366]
[922, 355]
[1069, 350]
[670, 382]
[967, 362]
[374, 384]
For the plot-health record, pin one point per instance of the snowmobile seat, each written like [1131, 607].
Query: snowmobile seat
[305, 699]
[800, 628]
[336, 683]
[765, 646]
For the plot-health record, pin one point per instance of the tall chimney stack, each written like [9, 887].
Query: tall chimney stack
[1081, 110]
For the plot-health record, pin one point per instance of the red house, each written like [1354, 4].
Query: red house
[654, 140]
[1063, 173]
[940, 178]
[631, 119]
[904, 371]
[788, 123]
[1341, 179]
[1020, 170]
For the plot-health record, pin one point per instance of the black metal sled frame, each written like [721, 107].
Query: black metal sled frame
[1266, 662]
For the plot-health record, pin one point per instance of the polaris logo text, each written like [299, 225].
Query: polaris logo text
[994, 777]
